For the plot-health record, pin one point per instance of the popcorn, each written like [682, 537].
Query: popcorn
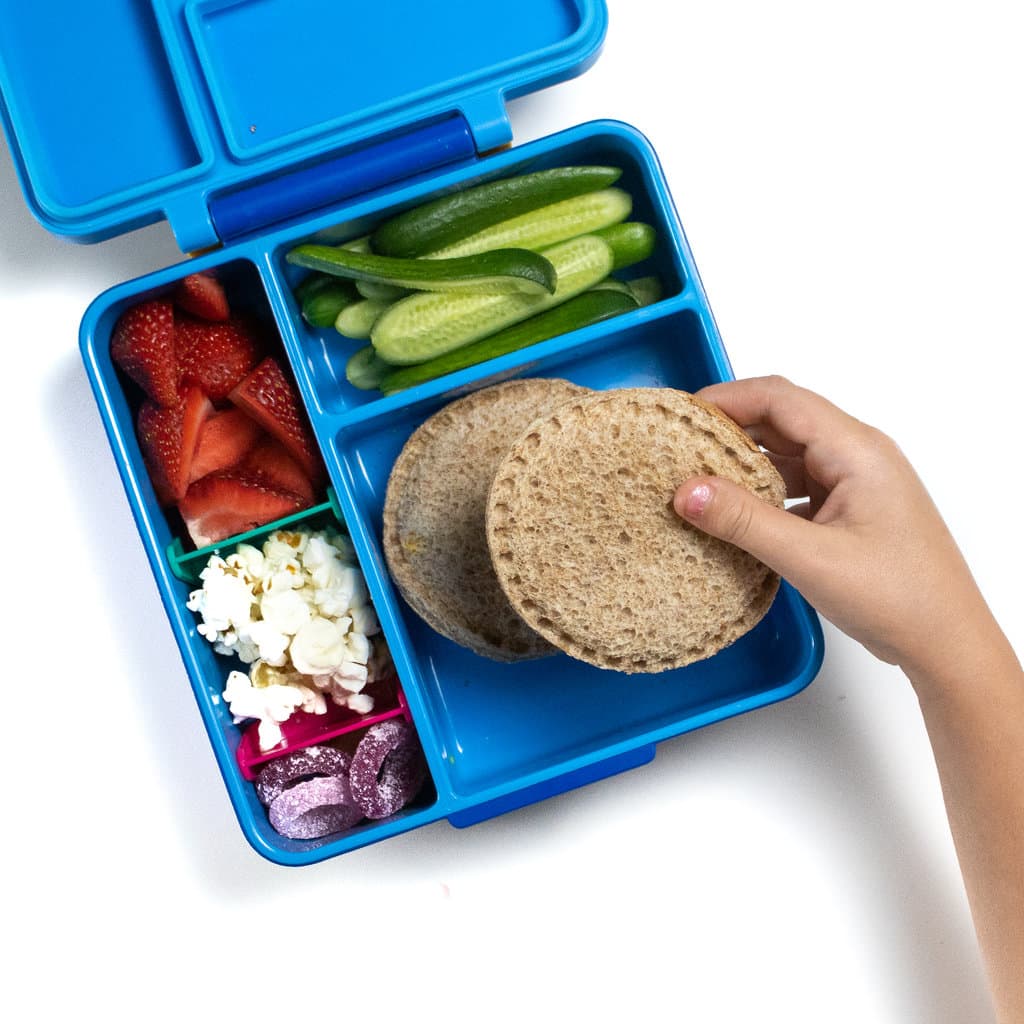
[318, 646]
[270, 704]
[286, 610]
[297, 611]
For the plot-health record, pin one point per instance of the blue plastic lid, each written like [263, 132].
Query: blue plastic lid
[122, 113]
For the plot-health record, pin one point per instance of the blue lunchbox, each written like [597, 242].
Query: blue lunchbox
[254, 125]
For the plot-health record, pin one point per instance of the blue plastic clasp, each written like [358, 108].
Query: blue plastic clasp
[359, 170]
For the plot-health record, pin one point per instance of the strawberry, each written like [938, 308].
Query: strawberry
[215, 357]
[224, 439]
[203, 296]
[167, 436]
[271, 461]
[143, 347]
[230, 502]
[269, 397]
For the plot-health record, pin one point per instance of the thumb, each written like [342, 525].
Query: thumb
[726, 510]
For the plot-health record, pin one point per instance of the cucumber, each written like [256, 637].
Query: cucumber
[356, 320]
[426, 325]
[360, 244]
[434, 225]
[588, 308]
[501, 269]
[323, 297]
[645, 289]
[547, 225]
[611, 284]
[374, 290]
[631, 242]
[364, 370]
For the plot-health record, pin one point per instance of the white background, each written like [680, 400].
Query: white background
[850, 180]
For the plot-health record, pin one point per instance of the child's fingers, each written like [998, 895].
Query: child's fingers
[786, 543]
[784, 413]
[768, 437]
[800, 483]
[793, 472]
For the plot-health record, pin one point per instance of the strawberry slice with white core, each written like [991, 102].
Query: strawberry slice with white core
[168, 435]
[215, 357]
[227, 503]
[224, 440]
[143, 346]
[203, 296]
[269, 397]
[272, 461]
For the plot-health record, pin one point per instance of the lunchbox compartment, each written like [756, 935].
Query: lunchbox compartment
[241, 767]
[248, 300]
[496, 722]
[326, 352]
[494, 736]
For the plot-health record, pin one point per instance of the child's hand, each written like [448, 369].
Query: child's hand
[870, 552]
[868, 548]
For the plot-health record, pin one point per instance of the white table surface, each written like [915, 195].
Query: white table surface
[850, 181]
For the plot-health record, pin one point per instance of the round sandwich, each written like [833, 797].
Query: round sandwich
[588, 549]
[435, 540]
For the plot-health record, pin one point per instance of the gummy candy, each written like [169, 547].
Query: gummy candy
[315, 808]
[388, 769]
[283, 772]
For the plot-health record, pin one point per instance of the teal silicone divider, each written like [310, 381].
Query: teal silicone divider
[187, 565]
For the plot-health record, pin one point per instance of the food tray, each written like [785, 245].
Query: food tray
[495, 736]
[257, 163]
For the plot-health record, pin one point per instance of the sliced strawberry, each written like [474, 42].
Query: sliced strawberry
[215, 357]
[271, 461]
[224, 440]
[167, 436]
[230, 502]
[143, 347]
[203, 296]
[270, 398]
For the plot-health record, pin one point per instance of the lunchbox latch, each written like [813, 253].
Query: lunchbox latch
[262, 204]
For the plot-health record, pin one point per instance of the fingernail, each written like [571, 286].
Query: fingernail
[696, 501]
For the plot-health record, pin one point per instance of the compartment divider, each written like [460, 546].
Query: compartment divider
[378, 583]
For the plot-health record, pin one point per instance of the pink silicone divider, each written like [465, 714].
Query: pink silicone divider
[304, 729]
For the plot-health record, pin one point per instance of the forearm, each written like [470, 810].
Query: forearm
[973, 709]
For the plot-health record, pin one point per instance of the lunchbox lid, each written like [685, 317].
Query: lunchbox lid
[224, 116]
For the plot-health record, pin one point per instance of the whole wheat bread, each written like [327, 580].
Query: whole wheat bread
[435, 541]
[586, 544]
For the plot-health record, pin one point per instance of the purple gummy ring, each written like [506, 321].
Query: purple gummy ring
[388, 769]
[315, 808]
[306, 763]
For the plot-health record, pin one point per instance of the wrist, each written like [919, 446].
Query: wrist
[961, 660]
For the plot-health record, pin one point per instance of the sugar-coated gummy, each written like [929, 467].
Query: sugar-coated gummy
[283, 772]
[315, 808]
[388, 769]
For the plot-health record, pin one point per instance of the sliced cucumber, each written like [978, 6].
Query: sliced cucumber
[588, 308]
[360, 244]
[434, 225]
[426, 325]
[322, 297]
[364, 370]
[611, 284]
[631, 242]
[553, 223]
[501, 269]
[646, 289]
[374, 290]
[355, 321]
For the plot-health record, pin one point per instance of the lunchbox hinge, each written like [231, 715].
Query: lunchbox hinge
[262, 204]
